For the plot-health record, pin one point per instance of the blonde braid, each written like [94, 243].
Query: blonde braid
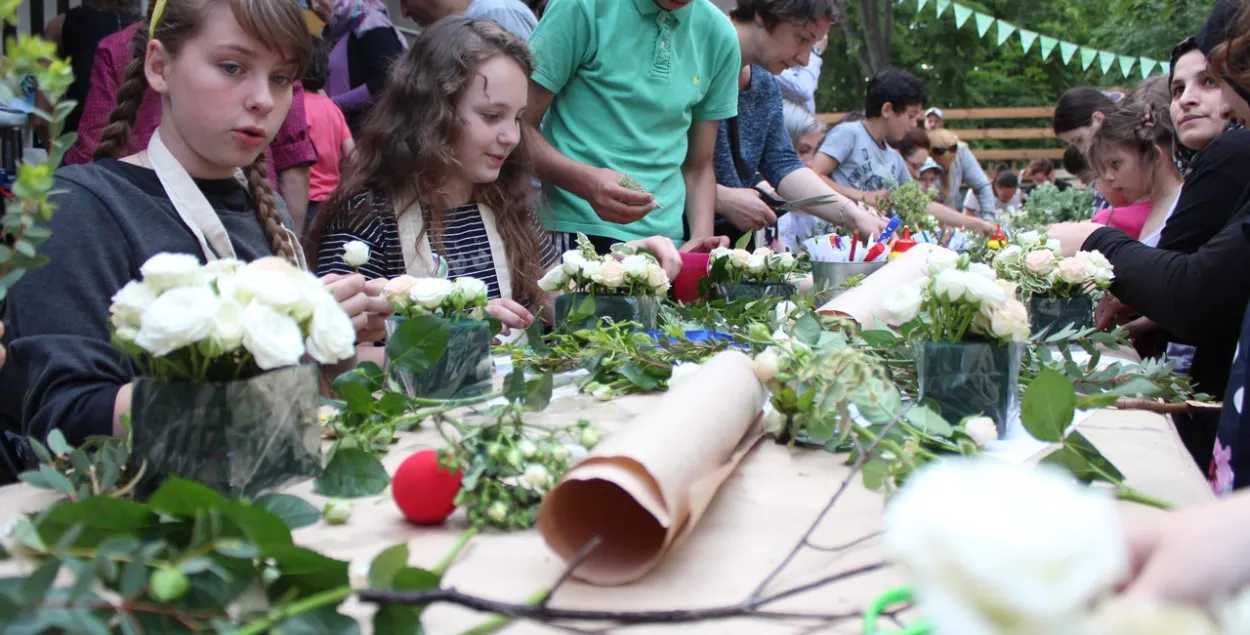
[267, 210]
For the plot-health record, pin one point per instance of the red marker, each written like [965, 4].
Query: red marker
[854, 244]
[874, 252]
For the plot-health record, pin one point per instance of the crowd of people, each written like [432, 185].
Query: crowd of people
[225, 129]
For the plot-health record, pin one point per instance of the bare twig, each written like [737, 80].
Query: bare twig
[843, 547]
[1159, 407]
[576, 562]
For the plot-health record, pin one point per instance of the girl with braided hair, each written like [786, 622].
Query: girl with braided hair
[224, 70]
[1132, 152]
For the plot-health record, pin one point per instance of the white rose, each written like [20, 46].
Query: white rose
[985, 290]
[719, 253]
[1025, 568]
[273, 338]
[527, 448]
[1055, 246]
[1040, 261]
[951, 284]
[572, 262]
[983, 270]
[1074, 271]
[179, 317]
[222, 267]
[555, 280]
[129, 303]
[271, 281]
[657, 277]
[1095, 259]
[1010, 322]
[331, 336]
[739, 258]
[166, 271]
[397, 292]
[982, 430]
[757, 264]
[784, 309]
[229, 326]
[786, 261]
[355, 254]
[1010, 256]
[902, 305]
[766, 365]
[535, 477]
[942, 260]
[636, 266]
[611, 274]
[430, 292]
[590, 270]
[1029, 240]
[469, 291]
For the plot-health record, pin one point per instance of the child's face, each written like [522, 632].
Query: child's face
[490, 112]
[808, 145]
[1005, 194]
[928, 179]
[223, 97]
[915, 161]
[932, 122]
[789, 45]
[898, 123]
[1126, 174]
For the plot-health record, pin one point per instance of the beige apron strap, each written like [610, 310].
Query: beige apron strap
[418, 257]
[290, 235]
[189, 201]
[498, 252]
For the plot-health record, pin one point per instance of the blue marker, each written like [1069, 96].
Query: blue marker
[890, 228]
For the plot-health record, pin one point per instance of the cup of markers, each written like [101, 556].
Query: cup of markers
[838, 259]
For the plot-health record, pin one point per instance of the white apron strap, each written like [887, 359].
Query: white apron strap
[498, 252]
[419, 255]
[189, 202]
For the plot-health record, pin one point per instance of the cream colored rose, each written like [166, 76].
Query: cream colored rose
[739, 258]
[229, 327]
[398, 292]
[274, 282]
[983, 270]
[1010, 256]
[611, 274]
[982, 430]
[590, 270]
[757, 264]
[766, 365]
[166, 271]
[331, 336]
[430, 293]
[272, 337]
[179, 317]
[555, 280]
[572, 262]
[129, 303]
[355, 254]
[942, 260]
[1074, 271]
[1011, 322]
[657, 277]
[636, 266]
[984, 290]
[1138, 616]
[902, 305]
[1029, 240]
[950, 284]
[469, 292]
[1040, 261]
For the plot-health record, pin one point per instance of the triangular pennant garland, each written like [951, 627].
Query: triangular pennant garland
[1004, 31]
[920, 5]
[962, 14]
[984, 22]
[1107, 60]
[1087, 58]
[941, 6]
[1067, 50]
[1166, 67]
[1048, 45]
[1027, 38]
[1146, 66]
[1126, 64]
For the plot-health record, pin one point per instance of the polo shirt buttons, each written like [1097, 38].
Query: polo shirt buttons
[661, 60]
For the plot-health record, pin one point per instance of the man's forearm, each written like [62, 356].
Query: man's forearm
[294, 183]
[700, 198]
[551, 166]
[805, 183]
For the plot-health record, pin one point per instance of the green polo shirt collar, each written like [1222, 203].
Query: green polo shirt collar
[649, 7]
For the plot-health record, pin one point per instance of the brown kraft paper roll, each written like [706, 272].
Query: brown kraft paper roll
[643, 489]
[864, 303]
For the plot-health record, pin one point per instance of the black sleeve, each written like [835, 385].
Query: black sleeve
[59, 315]
[1200, 297]
[378, 48]
[1211, 193]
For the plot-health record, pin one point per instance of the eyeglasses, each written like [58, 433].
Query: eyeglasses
[938, 151]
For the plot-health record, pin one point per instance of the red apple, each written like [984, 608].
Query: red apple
[424, 491]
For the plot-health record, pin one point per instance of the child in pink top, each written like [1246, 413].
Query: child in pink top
[327, 129]
[1128, 219]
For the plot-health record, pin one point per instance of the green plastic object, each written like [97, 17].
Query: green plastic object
[970, 379]
[463, 371]
[886, 601]
[1052, 315]
[644, 310]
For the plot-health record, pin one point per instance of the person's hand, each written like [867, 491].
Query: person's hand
[380, 310]
[510, 314]
[1110, 312]
[744, 208]
[612, 201]
[1071, 236]
[1191, 555]
[866, 222]
[665, 252]
[367, 313]
[875, 199]
[705, 245]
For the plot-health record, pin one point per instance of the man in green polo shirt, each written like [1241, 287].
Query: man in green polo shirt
[630, 88]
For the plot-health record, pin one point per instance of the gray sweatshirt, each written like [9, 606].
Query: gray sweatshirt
[111, 217]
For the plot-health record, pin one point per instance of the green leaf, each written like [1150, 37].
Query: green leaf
[135, 577]
[296, 512]
[638, 377]
[57, 443]
[1048, 406]
[384, 567]
[261, 528]
[100, 517]
[875, 472]
[1094, 402]
[418, 342]
[405, 620]
[35, 478]
[305, 571]
[392, 404]
[807, 330]
[1136, 387]
[1080, 457]
[178, 496]
[515, 388]
[36, 585]
[534, 336]
[321, 621]
[56, 480]
[353, 474]
[235, 549]
[25, 534]
[540, 390]
[929, 421]
[884, 412]
[744, 241]
[880, 339]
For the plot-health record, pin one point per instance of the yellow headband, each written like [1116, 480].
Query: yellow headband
[157, 11]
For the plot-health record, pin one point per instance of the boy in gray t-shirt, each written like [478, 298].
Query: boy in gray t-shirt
[862, 162]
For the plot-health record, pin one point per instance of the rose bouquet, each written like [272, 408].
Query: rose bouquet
[737, 273]
[1060, 291]
[972, 325]
[223, 396]
[624, 286]
[438, 342]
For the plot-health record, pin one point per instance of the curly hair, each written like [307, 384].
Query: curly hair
[405, 149]
[280, 21]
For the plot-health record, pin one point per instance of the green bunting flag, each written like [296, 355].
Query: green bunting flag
[1067, 50]
[962, 14]
[1087, 58]
[1048, 45]
[984, 22]
[920, 5]
[1004, 31]
[1106, 59]
[941, 6]
[1146, 66]
[1126, 65]
[1166, 67]
[1027, 38]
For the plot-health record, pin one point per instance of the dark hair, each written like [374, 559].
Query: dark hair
[774, 12]
[405, 148]
[915, 138]
[537, 6]
[1137, 127]
[318, 66]
[1230, 59]
[1004, 177]
[1074, 162]
[1042, 166]
[896, 87]
[279, 22]
[1076, 108]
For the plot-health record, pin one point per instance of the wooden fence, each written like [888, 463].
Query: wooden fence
[982, 133]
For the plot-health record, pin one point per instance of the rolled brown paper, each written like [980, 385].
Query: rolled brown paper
[865, 303]
[643, 489]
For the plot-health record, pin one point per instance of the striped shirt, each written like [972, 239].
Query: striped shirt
[466, 247]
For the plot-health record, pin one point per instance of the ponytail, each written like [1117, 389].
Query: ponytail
[116, 135]
[267, 210]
